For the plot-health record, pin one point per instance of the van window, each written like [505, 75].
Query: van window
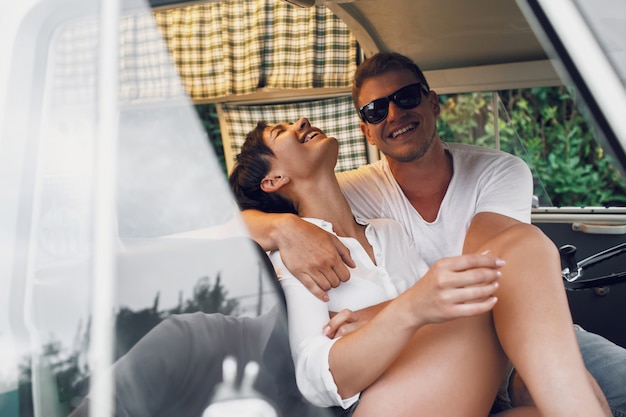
[544, 127]
[134, 204]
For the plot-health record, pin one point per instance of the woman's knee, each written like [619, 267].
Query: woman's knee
[521, 240]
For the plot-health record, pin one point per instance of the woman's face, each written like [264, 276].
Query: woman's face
[300, 149]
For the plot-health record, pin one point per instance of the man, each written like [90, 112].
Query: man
[450, 197]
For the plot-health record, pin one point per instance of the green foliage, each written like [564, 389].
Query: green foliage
[210, 120]
[540, 125]
[543, 127]
[467, 118]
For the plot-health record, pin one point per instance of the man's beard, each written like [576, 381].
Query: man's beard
[415, 154]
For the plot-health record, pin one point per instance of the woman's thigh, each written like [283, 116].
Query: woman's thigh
[448, 369]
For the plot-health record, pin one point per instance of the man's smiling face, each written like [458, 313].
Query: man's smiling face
[406, 134]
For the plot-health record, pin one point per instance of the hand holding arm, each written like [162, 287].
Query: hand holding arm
[315, 257]
[348, 321]
[483, 227]
[453, 287]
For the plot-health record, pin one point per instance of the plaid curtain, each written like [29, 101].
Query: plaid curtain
[335, 116]
[236, 47]
[233, 47]
[146, 73]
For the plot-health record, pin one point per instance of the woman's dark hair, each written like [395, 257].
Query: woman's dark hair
[251, 166]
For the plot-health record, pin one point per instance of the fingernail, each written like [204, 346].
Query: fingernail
[487, 252]
[326, 330]
[500, 262]
[326, 298]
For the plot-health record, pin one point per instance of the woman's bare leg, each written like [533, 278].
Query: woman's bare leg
[454, 368]
[448, 369]
[535, 328]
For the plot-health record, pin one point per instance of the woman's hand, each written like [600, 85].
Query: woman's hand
[342, 323]
[452, 288]
[455, 287]
[348, 321]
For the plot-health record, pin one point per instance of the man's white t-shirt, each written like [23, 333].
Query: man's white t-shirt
[370, 283]
[484, 180]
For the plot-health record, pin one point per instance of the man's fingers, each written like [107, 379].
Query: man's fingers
[315, 288]
[335, 272]
[346, 257]
[341, 273]
[320, 281]
[316, 258]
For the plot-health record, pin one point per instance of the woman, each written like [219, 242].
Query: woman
[398, 363]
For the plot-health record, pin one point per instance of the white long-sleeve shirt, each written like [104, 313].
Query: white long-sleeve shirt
[398, 266]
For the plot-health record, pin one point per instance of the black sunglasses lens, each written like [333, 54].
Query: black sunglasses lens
[375, 111]
[406, 98]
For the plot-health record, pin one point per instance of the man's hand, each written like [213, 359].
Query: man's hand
[317, 258]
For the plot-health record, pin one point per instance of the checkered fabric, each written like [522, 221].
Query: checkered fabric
[74, 62]
[335, 116]
[235, 47]
[145, 69]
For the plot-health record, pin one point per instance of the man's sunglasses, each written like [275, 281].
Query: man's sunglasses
[406, 98]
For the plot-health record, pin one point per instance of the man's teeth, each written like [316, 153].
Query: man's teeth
[401, 131]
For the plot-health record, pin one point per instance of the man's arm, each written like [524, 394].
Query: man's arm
[315, 257]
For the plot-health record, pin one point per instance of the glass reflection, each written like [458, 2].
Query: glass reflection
[191, 287]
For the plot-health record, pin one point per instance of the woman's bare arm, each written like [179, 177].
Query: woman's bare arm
[452, 288]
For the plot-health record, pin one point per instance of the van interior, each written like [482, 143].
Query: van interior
[115, 196]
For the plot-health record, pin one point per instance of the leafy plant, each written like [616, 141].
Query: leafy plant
[210, 120]
[544, 127]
